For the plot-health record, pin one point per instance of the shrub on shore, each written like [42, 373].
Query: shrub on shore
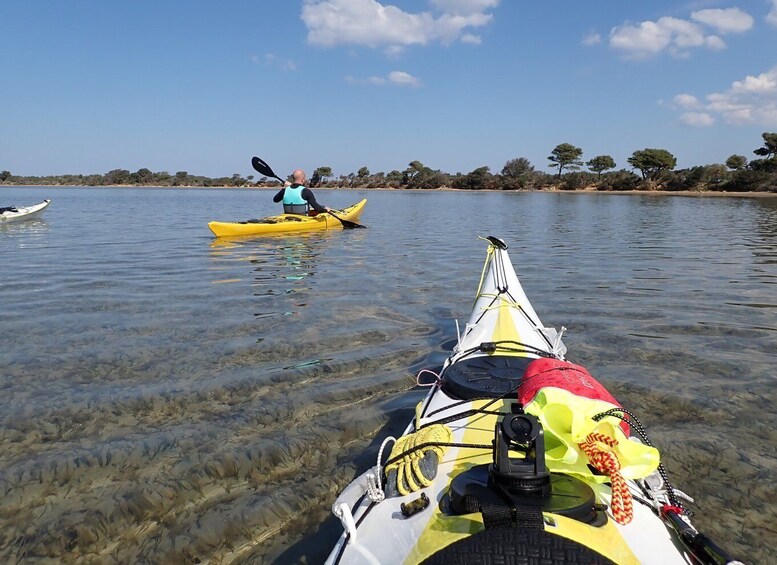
[656, 167]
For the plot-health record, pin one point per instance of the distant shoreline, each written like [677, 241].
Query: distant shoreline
[691, 193]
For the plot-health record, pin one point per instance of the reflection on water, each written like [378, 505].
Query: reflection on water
[29, 227]
[171, 397]
[281, 265]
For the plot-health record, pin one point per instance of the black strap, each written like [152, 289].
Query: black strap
[499, 513]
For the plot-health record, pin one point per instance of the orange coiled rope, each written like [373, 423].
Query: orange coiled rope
[607, 462]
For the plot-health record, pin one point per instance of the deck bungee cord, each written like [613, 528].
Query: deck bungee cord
[672, 494]
[499, 346]
[603, 460]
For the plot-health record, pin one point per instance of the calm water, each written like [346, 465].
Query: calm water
[165, 396]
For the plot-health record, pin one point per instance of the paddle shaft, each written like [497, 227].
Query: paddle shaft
[703, 549]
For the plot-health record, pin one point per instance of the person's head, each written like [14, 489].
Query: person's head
[298, 176]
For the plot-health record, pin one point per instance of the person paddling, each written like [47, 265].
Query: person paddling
[297, 199]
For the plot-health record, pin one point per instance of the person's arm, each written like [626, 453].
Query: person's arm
[307, 195]
[278, 197]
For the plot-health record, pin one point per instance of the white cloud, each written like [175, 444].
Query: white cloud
[677, 36]
[714, 42]
[687, 101]
[729, 20]
[372, 24]
[471, 39]
[764, 84]
[649, 38]
[771, 17]
[752, 100]
[464, 7]
[592, 38]
[697, 119]
[396, 78]
[402, 78]
[682, 33]
[272, 60]
[394, 51]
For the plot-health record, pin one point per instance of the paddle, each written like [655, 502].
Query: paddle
[265, 169]
[700, 546]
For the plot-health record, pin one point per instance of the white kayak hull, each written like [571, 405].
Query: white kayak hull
[20, 213]
[502, 336]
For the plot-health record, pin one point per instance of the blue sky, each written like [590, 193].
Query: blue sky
[201, 86]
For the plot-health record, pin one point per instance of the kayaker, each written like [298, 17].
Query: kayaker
[297, 199]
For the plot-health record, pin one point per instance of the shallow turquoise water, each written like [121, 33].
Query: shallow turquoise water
[165, 395]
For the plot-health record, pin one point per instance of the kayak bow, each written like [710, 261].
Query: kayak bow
[516, 452]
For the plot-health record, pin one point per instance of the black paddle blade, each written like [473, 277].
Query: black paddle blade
[348, 225]
[263, 168]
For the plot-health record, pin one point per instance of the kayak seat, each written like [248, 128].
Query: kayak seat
[287, 218]
[489, 376]
[516, 546]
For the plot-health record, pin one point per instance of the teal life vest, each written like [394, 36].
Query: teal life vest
[293, 203]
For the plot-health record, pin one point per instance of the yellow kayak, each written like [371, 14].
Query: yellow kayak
[288, 223]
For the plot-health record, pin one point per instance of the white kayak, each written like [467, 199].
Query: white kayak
[16, 213]
[516, 455]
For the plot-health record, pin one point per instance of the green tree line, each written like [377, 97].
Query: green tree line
[123, 177]
[650, 169]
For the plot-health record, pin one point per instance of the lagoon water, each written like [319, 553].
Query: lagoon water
[170, 397]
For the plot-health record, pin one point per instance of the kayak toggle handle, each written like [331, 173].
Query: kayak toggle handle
[496, 242]
[343, 511]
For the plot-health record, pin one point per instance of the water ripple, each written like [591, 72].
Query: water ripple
[170, 397]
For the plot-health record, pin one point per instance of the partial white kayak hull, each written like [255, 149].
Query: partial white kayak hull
[473, 508]
[24, 212]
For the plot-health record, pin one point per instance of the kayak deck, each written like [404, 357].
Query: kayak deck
[466, 480]
[288, 223]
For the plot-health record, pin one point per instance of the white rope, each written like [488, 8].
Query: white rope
[379, 467]
[374, 491]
